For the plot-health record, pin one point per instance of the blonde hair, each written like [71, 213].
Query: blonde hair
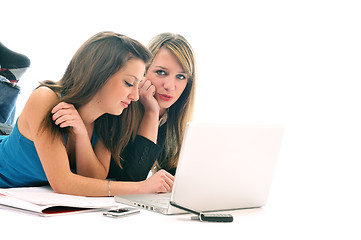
[90, 68]
[181, 111]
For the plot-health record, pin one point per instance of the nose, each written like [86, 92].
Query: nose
[134, 94]
[169, 84]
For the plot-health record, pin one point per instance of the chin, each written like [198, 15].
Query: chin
[119, 113]
[165, 105]
[116, 113]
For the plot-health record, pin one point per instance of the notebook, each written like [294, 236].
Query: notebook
[220, 167]
[42, 201]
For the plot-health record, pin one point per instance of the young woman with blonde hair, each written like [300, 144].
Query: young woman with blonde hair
[69, 129]
[165, 106]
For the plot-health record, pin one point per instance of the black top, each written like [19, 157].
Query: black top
[139, 157]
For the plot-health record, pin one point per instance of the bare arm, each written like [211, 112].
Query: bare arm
[92, 163]
[55, 161]
[148, 128]
[89, 162]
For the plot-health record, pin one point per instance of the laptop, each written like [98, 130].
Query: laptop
[220, 167]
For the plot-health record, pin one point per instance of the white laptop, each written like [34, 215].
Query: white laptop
[220, 167]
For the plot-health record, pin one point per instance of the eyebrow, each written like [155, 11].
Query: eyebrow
[167, 69]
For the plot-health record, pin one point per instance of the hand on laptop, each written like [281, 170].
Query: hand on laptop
[160, 182]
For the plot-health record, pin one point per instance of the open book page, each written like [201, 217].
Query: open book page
[21, 204]
[38, 199]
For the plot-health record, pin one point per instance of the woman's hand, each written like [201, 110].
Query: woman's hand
[65, 115]
[149, 125]
[146, 96]
[160, 182]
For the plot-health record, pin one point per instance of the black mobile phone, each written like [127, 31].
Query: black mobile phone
[207, 217]
[121, 212]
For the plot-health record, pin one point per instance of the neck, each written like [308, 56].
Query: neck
[89, 114]
[162, 111]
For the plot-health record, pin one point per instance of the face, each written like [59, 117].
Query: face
[168, 77]
[121, 88]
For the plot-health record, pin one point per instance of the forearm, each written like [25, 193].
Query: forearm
[160, 182]
[53, 157]
[87, 162]
[149, 126]
[74, 184]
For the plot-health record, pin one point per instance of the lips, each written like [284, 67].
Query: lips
[165, 97]
[125, 104]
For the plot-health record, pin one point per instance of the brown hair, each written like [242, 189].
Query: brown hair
[90, 68]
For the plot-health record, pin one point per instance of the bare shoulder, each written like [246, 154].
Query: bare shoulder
[44, 93]
[41, 100]
[35, 110]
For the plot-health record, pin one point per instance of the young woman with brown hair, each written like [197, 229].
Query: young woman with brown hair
[69, 129]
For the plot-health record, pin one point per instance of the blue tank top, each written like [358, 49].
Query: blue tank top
[20, 165]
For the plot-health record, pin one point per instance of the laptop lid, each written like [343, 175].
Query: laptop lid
[220, 167]
[223, 167]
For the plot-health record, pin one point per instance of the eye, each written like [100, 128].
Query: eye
[181, 77]
[161, 72]
[128, 84]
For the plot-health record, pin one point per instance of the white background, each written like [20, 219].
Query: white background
[291, 63]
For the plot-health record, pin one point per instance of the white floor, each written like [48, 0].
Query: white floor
[260, 62]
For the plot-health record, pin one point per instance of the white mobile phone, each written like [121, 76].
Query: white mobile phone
[121, 212]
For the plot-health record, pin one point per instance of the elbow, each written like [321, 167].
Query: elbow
[57, 188]
[97, 173]
[61, 185]
[60, 188]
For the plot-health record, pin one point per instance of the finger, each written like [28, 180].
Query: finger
[65, 124]
[147, 93]
[141, 84]
[163, 189]
[57, 107]
[62, 112]
[151, 90]
[146, 85]
[151, 86]
[167, 174]
[62, 105]
[169, 183]
[58, 113]
[63, 119]
[167, 179]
